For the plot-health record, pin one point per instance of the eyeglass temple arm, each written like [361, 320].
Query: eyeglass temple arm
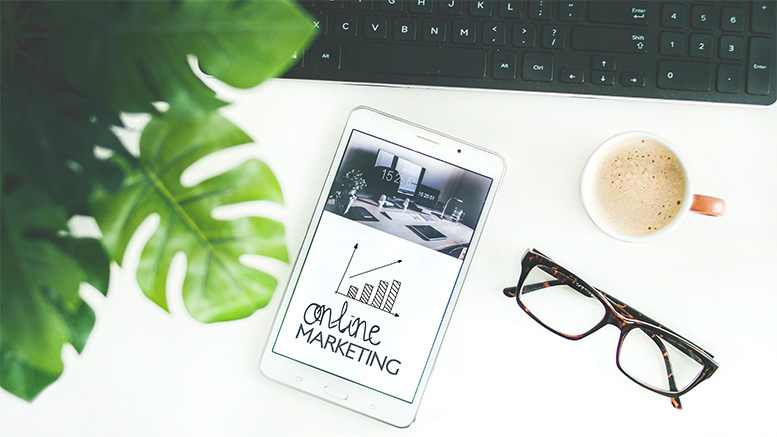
[528, 288]
[669, 372]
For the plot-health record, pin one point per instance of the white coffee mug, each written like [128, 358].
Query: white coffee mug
[621, 195]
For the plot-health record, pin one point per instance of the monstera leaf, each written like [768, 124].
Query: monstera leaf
[42, 270]
[132, 54]
[217, 286]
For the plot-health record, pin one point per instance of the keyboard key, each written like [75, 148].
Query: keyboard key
[619, 12]
[759, 66]
[391, 5]
[405, 29]
[572, 75]
[554, 37]
[481, 8]
[684, 75]
[494, 33]
[346, 26]
[362, 5]
[570, 11]
[505, 65]
[417, 60]
[762, 17]
[673, 15]
[421, 6]
[321, 23]
[672, 44]
[537, 67]
[731, 47]
[299, 59]
[633, 80]
[464, 32]
[333, 3]
[325, 55]
[524, 35]
[732, 19]
[510, 9]
[605, 39]
[603, 78]
[451, 7]
[604, 63]
[703, 17]
[434, 30]
[701, 46]
[540, 10]
[728, 78]
[375, 27]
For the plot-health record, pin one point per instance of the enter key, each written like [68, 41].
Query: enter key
[760, 66]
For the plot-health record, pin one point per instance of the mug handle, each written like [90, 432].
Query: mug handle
[708, 205]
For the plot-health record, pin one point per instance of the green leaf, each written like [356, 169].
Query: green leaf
[41, 271]
[131, 54]
[217, 286]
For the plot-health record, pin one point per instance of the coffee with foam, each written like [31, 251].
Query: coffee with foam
[639, 187]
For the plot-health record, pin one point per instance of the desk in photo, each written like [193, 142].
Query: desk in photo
[395, 221]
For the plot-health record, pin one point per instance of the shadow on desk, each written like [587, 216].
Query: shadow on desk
[426, 229]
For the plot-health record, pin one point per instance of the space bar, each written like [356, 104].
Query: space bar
[417, 60]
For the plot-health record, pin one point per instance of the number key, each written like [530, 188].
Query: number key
[703, 17]
[671, 44]
[732, 19]
[683, 75]
[701, 46]
[731, 47]
[673, 15]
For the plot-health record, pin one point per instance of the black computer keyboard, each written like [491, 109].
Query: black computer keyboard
[713, 51]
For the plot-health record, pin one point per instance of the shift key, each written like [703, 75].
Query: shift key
[759, 66]
[607, 39]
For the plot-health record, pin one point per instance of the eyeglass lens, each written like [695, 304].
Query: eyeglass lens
[561, 307]
[641, 356]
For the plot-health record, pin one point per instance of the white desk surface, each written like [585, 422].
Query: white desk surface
[147, 372]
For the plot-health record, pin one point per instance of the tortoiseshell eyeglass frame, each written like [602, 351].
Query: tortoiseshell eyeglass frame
[620, 315]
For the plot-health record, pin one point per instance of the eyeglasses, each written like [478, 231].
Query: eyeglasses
[650, 354]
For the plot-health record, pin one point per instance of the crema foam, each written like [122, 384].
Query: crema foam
[640, 186]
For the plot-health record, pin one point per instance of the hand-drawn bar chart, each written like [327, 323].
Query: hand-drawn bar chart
[384, 296]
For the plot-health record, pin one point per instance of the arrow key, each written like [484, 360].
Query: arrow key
[572, 75]
[631, 79]
[603, 78]
[604, 63]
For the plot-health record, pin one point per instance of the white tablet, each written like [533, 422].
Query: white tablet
[381, 266]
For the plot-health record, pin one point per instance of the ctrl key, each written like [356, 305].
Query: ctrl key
[537, 67]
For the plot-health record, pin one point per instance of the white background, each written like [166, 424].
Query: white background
[147, 372]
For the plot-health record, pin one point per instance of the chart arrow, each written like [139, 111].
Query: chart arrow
[376, 268]
[355, 246]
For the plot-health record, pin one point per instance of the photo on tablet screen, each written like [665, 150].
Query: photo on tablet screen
[408, 194]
